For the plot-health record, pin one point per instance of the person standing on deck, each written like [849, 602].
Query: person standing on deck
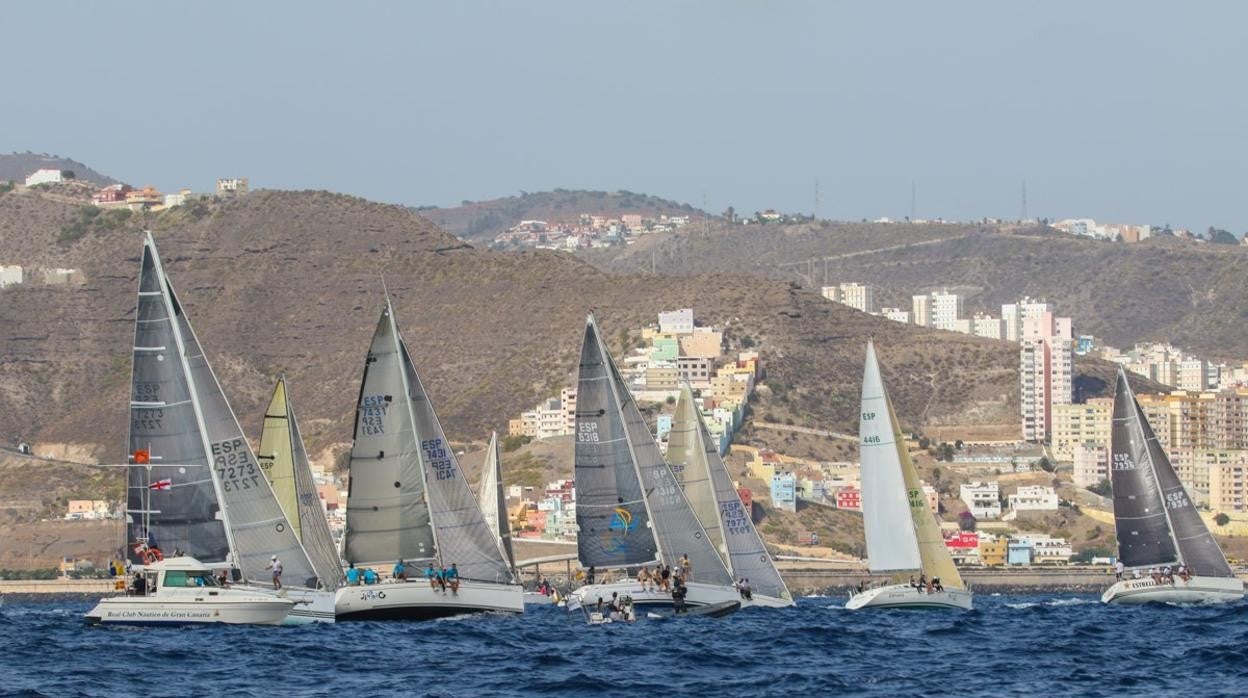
[275, 565]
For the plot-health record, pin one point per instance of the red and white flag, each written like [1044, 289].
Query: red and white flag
[161, 484]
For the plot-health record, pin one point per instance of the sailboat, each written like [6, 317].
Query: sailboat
[285, 464]
[494, 508]
[408, 500]
[903, 537]
[698, 467]
[630, 511]
[193, 483]
[1155, 519]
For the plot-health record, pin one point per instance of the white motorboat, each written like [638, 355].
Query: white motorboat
[902, 533]
[417, 600]
[182, 591]
[537, 598]
[1156, 522]
[907, 596]
[1193, 590]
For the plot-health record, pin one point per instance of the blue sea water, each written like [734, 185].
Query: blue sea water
[1059, 645]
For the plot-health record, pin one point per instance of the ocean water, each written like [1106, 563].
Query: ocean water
[1058, 645]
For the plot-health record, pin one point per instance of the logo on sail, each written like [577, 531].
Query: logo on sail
[622, 524]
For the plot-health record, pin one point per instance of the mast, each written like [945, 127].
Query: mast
[167, 296]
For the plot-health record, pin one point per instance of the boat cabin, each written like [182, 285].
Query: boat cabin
[176, 573]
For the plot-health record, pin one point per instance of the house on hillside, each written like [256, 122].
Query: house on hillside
[231, 186]
[44, 176]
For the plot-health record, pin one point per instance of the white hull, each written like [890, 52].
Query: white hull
[311, 605]
[1195, 590]
[906, 596]
[416, 600]
[241, 607]
[532, 598]
[698, 595]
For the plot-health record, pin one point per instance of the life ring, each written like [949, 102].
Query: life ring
[152, 555]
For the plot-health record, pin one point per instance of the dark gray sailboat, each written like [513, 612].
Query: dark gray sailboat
[1157, 523]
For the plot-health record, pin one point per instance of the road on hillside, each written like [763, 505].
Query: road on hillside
[804, 430]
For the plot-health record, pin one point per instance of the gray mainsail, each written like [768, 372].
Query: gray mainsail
[165, 429]
[463, 538]
[494, 500]
[313, 527]
[747, 556]
[1153, 514]
[387, 516]
[611, 515]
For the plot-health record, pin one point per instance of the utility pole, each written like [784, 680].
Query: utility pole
[1024, 217]
[815, 215]
[913, 197]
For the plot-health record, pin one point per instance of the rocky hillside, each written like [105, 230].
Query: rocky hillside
[292, 282]
[480, 221]
[1163, 289]
[16, 166]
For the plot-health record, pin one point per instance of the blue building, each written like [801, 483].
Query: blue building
[784, 491]
[1019, 553]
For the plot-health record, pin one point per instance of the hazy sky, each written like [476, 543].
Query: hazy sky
[1125, 111]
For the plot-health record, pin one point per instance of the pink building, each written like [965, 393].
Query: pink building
[1046, 372]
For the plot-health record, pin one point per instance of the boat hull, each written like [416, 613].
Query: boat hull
[244, 609]
[1195, 590]
[698, 595]
[416, 600]
[533, 598]
[311, 605]
[906, 596]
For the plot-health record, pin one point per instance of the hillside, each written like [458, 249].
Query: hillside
[291, 282]
[1163, 289]
[480, 221]
[16, 166]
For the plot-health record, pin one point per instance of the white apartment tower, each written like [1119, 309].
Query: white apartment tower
[946, 310]
[922, 310]
[858, 296]
[1046, 372]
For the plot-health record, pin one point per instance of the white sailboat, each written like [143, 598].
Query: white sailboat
[493, 500]
[194, 486]
[903, 537]
[184, 591]
[698, 467]
[408, 500]
[630, 511]
[1156, 522]
[284, 461]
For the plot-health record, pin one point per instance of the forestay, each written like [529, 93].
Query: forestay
[387, 516]
[164, 426]
[613, 521]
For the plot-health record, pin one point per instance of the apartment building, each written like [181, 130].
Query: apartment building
[1046, 372]
[1075, 424]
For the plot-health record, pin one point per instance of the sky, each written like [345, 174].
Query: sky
[1120, 111]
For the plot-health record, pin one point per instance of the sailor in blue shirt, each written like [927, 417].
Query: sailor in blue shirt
[353, 575]
[452, 578]
[434, 577]
[400, 571]
[370, 577]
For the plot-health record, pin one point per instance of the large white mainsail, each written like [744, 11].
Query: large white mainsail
[901, 530]
[619, 465]
[254, 522]
[284, 461]
[493, 499]
[695, 460]
[408, 498]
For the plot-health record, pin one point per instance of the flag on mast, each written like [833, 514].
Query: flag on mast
[161, 484]
[142, 457]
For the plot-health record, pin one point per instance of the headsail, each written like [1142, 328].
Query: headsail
[285, 462]
[165, 430]
[461, 533]
[1155, 519]
[746, 555]
[687, 457]
[494, 501]
[884, 455]
[387, 516]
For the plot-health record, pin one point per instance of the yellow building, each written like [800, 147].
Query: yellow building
[703, 342]
[1081, 424]
[992, 552]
